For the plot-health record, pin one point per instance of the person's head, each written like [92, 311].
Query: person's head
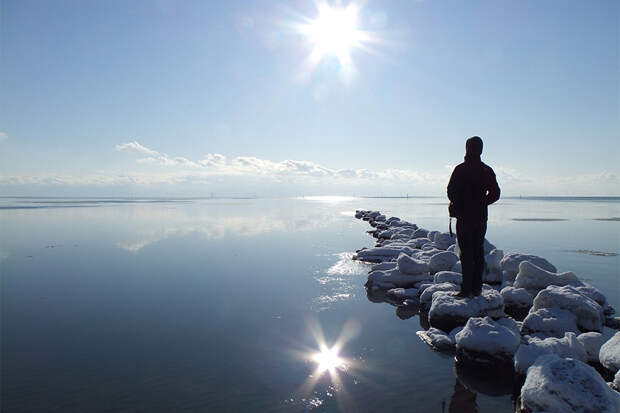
[473, 146]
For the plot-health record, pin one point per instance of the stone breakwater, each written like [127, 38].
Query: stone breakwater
[529, 320]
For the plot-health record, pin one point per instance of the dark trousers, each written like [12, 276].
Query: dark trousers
[470, 236]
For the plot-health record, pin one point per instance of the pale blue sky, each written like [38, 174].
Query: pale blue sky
[538, 80]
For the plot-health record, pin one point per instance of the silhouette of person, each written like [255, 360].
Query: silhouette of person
[472, 188]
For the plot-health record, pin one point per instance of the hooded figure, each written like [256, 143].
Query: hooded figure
[472, 188]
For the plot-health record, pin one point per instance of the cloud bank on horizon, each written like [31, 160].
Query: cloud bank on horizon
[158, 173]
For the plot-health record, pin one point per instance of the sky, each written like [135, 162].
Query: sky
[266, 98]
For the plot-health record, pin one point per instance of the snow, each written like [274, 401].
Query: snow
[609, 354]
[534, 278]
[561, 385]
[567, 346]
[589, 314]
[409, 265]
[550, 322]
[516, 298]
[496, 339]
[448, 311]
[448, 276]
[442, 261]
[510, 264]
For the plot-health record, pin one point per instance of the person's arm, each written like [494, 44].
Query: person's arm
[452, 186]
[493, 188]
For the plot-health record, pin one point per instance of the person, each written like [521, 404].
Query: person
[471, 189]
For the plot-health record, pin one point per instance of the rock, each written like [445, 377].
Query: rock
[437, 339]
[534, 278]
[394, 278]
[567, 346]
[448, 276]
[510, 264]
[427, 295]
[557, 385]
[609, 354]
[591, 342]
[457, 267]
[448, 311]
[550, 322]
[409, 265]
[589, 314]
[484, 341]
[443, 261]
[516, 300]
[420, 233]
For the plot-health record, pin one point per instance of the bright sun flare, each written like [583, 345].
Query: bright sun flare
[328, 359]
[334, 32]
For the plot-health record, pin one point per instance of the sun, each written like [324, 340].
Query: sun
[335, 32]
[328, 359]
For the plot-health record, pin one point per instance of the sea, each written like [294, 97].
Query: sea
[246, 305]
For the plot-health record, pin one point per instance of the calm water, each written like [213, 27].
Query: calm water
[220, 304]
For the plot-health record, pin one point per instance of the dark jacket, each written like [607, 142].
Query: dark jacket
[472, 188]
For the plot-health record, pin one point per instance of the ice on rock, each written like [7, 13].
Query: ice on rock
[404, 292]
[592, 292]
[534, 278]
[426, 296]
[380, 254]
[442, 261]
[591, 342]
[394, 278]
[409, 265]
[448, 311]
[516, 298]
[432, 234]
[437, 339]
[493, 259]
[451, 248]
[444, 240]
[567, 346]
[484, 340]
[589, 314]
[383, 266]
[448, 277]
[487, 246]
[492, 277]
[510, 264]
[550, 322]
[420, 233]
[609, 354]
[419, 242]
[616, 383]
[558, 385]
[457, 267]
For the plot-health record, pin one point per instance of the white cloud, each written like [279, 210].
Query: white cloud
[3, 136]
[135, 146]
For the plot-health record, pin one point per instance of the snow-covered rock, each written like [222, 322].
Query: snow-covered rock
[390, 265]
[567, 346]
[419, 242]
[534, 278]
[484, 340]
[448, 311]
[380, 254]
[409, 265]
[609, 354]
[420, 233]
[493, 260]
[437, 339]
[616, 383]
[427, 295]
[443, 261]
[394, 278]
[449, 277]
[589, 314]
[510, 264]
[591, 342]
[444, 240]
[592, 292]
[558, 385]
[516, 300]
[550, 322]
